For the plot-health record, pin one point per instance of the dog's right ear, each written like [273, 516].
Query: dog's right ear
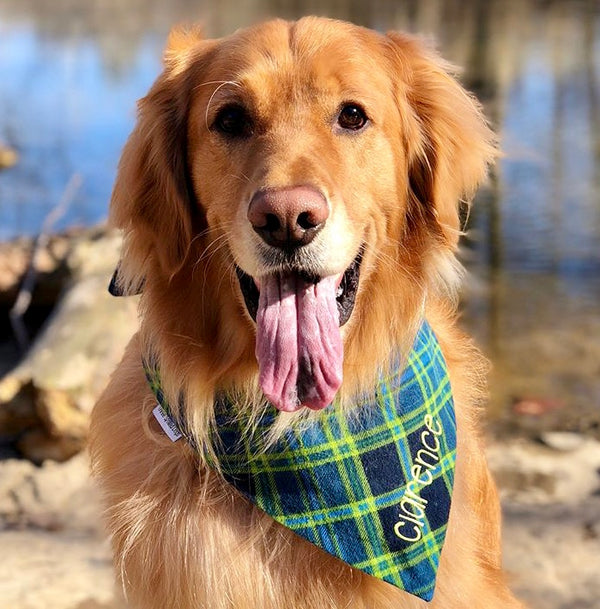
[153, 199]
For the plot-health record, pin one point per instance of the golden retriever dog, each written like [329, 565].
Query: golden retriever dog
[290, 202]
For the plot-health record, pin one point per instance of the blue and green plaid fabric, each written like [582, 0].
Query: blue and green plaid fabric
[371, 486]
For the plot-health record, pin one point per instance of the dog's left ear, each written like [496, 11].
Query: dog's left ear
[448, 142]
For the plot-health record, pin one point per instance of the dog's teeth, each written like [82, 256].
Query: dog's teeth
[339, 291]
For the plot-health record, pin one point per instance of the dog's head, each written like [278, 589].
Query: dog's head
[296, 186]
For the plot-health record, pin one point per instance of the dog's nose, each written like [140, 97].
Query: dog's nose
[288, 217]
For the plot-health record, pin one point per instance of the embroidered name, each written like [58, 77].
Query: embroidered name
[412, 506]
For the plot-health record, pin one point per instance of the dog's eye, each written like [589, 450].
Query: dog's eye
[352, 117]
[233, 121]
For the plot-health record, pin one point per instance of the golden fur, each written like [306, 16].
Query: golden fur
[183, 538]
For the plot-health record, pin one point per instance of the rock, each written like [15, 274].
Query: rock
[531, 473]
[17, 407]
[59, 413]
[55, 496]
[38, 445]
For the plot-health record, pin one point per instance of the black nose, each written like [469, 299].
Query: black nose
[288, 217]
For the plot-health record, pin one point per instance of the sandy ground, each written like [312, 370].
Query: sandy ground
[551, 502]
[54, 554]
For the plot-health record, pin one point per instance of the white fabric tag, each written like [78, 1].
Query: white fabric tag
[167, 423]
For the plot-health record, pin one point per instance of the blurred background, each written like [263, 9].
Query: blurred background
[70, 74]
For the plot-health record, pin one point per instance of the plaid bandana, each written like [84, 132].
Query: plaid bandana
[371, 487]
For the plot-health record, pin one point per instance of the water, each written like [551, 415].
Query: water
[70, 73]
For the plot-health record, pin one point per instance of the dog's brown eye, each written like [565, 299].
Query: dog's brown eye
[233, 121]
[352, 117]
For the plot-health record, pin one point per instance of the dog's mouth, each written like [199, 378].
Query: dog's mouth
[345, 292]
[298, 342]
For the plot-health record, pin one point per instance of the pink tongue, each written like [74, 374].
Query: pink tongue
[298, 344]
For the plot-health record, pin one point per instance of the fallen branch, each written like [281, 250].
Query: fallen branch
[23, 299]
